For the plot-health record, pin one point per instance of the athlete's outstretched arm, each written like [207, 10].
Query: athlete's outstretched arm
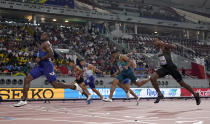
[117, 72]
[170, 46]
[127, 59]
[92, 67]
[160, 43]
[131, 53]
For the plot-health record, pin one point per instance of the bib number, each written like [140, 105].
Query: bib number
[162, 60]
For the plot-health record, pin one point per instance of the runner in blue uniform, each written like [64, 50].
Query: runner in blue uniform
[44, 67]
[125, 84]
[126, 69]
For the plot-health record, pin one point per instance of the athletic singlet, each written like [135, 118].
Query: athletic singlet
[87, 72]
[78, 74]
[133, 60]
[42, 53]
[121, 64]
[165, 57]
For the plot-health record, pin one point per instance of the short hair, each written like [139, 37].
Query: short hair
[115, 51]
[70, 60]
[81, 60]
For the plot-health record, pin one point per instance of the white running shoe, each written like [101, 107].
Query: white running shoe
[20, 103]
[89, 99]
[103, 99]
[137, 101]
[107, 100]
[128, 95]
[78, 88]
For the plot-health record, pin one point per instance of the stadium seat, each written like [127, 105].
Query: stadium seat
[63, 81]
[2, 81]
[96, 82]
[14, 81]
[101, 82]
[8, 82]
[20, 81]
[46, 82]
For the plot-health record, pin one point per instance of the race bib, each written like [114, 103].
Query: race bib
[121, 68]
[162, 60]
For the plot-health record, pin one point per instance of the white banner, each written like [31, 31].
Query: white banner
[151, 92]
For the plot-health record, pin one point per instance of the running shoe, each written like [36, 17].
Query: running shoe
[107, 100]
[20, 103]
[128, 95]
[89, 99]
[137, 101]
[197, 99]
[158, 99]
[78, 88]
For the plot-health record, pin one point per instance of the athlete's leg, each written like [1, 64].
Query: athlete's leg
[113, 87]
[153, 79]
[115, 82]
[189, 88]
[130, 91]
[177, 76]
[84, 88]
[56, 84]
[123, 87]
[133, 94]
[51, 77]
[91, 82]
[85, 91]
[141, 83]
[26, 86]
[35, 73]
[97, 92]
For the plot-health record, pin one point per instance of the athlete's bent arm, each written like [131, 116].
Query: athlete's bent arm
[49, 51]
[94, 68]
[125, 58]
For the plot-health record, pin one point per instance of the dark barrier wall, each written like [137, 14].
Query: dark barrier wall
[103, 82]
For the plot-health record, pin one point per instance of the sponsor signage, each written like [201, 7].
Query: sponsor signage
[204, 92]
[151, 92]
[51, 93]
[33, 93]
[120, 93]
[72, 94]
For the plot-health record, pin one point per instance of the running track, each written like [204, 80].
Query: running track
[177, 111]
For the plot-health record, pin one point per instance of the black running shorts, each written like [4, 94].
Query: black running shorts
[169, 70]
[80, 80]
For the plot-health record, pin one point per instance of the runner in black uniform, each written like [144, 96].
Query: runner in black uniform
[168, 68]
[80, 80]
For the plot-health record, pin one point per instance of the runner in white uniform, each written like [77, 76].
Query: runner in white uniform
[89, 78]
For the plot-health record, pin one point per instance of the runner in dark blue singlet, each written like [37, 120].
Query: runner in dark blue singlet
[44, 67]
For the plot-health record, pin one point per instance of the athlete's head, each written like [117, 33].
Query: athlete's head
[71, 63]
[157, 42]
[115, 54]
[83, 63]
[45, 36]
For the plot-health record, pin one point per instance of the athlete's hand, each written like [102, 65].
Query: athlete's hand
[104, 73]
[37, 60]
[134, 51]
[113, 75]
[126, 67]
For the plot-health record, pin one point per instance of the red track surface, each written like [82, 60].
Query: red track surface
[117, 112]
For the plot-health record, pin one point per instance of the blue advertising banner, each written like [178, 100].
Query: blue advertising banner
[66, 3]
[120, 93]
[73, 94]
